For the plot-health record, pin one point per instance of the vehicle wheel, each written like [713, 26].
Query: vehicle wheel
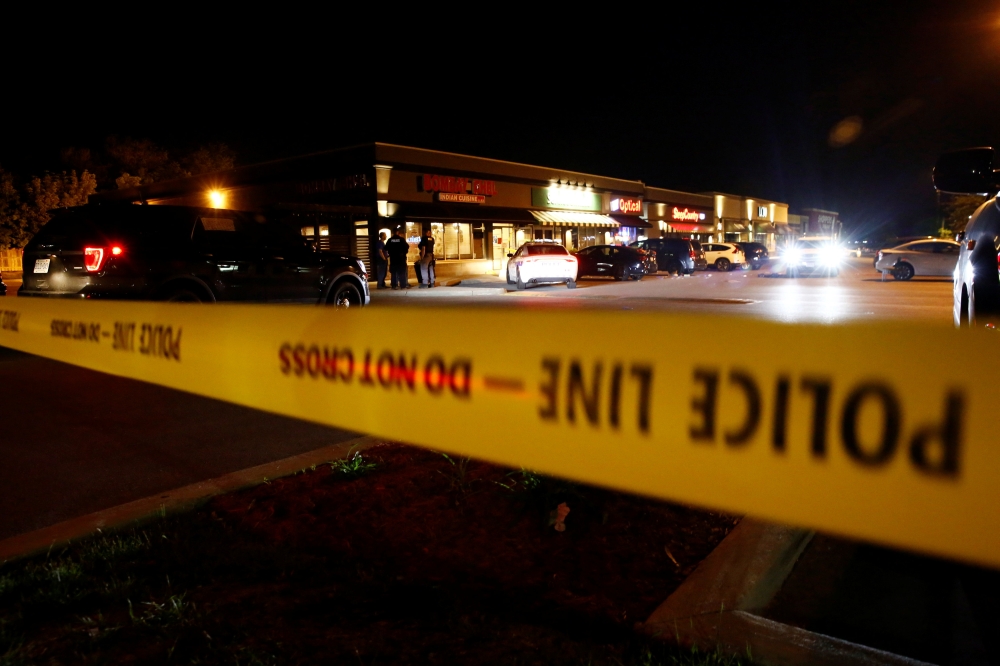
[571, 284]
[345, 295]
[745, 266]
[638, 276]
[722, 264]
[674, 267]
[621, 273]
[183, 296]
[506, 274]
[902, 271]
[517, 279]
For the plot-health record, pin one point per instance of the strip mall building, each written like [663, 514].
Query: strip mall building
[478, 209]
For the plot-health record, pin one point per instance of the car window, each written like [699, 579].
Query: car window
[536, 250]
[921, 247]
[946, 248]
[227, 231]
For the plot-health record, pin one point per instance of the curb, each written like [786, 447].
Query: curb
[179, 500]
[437, 292]
[717, 606]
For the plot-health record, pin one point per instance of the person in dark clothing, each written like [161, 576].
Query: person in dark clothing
[397, 249]
[427, 259]
[381, 261]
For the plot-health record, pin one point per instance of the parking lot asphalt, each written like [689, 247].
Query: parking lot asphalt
[76, 441]
[858, 293]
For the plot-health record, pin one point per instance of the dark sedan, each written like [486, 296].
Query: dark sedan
[3, 287]
[619, 262]
[178, 253]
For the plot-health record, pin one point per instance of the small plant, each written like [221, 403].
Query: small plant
[523, 478]
[173, 610]
[353, 466]
[458, 478]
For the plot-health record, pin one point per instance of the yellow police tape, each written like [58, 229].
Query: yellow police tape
[882, 432]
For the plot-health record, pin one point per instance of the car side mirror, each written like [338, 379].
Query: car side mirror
[966, 172]
[510, 255]
[960, 237]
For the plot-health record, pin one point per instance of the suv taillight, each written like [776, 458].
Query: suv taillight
[93, 257]
[692, 254]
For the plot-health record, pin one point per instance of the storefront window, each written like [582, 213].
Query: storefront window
[414, 231]
[452, 240]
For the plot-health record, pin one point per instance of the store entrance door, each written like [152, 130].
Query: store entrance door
[503, 242]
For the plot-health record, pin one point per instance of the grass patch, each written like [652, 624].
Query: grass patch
[353, 466]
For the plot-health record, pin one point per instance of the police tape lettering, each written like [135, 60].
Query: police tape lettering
[933, 448]
[9, 320]
[388, 369]
[585, 386]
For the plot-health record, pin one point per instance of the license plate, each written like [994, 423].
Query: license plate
[42, 265]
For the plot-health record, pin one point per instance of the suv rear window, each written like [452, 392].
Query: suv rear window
[535, 250]
[130, 224]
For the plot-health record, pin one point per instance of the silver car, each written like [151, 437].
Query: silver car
[924, 257]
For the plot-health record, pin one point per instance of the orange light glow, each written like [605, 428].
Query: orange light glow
[116, 250]
[216, 199]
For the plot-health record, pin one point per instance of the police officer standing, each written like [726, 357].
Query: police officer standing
[427, 259]
[397, 249]
[381, 260]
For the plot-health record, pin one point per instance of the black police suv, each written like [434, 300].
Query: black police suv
[176, 253]
[756, 254]
[675, 255]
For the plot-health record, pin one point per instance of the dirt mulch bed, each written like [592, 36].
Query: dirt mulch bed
[420, 559]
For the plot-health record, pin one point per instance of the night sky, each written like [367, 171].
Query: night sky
[843, 108]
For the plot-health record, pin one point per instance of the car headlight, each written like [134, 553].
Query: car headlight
[361, 265]
[793, 256]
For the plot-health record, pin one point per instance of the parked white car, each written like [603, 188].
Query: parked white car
[724, 256]
[923, 257]
[541, 263]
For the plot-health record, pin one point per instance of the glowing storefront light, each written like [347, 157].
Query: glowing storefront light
[570, 198]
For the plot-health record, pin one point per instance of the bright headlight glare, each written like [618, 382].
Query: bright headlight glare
[792, 256]
[829, 256]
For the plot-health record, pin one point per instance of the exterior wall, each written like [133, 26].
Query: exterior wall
[10, 261]
[673, 213]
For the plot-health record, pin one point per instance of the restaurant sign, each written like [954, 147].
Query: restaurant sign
[565, 198]
[457, 189]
